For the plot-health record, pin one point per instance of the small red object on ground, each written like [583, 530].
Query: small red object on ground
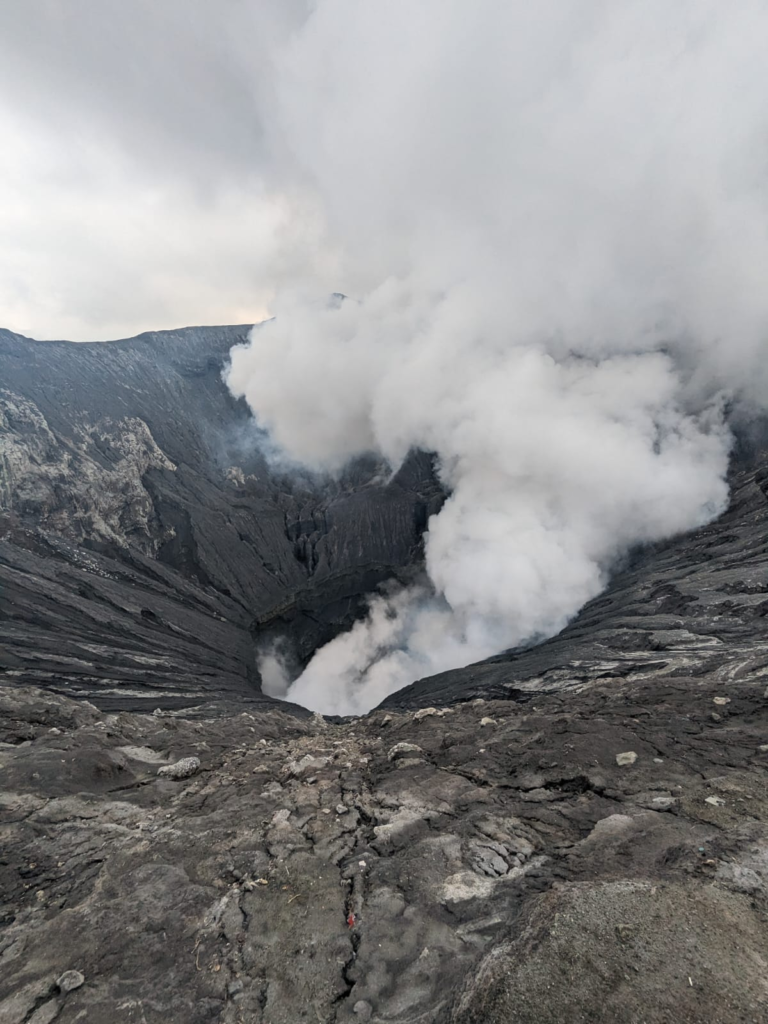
[351, 920]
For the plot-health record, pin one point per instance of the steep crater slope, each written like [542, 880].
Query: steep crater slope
[146, 545]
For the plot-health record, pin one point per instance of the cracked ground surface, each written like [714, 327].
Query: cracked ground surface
[489, 862]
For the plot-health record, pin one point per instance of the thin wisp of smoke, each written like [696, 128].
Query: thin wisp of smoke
[551, 219]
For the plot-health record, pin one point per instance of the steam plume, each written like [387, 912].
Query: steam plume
[552, 220]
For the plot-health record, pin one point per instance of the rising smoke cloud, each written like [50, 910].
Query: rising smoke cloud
[552, 221]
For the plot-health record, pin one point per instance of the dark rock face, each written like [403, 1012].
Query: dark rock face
[145, 544]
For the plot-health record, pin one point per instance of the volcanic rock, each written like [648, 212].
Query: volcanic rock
[147, 547]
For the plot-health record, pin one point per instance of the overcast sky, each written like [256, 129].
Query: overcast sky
[131, 184]
[171, 162]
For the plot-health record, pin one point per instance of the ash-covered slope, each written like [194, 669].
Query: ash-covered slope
[145, 544]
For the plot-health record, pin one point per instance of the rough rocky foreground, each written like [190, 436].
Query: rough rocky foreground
[603, 858]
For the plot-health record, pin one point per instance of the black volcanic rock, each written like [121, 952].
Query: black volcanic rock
[146, 546]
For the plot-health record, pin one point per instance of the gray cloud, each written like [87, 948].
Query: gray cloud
[132, 193]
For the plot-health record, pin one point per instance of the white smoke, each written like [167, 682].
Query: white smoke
[271, 663]
[552, 219]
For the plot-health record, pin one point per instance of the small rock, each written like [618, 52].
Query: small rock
[307, 763]
[182, 769]
[54, 731]
[362, 1010]
[402, 750]
[624, 932]
[341, 809]
[273, 789]
[613, 824]
[464, 886]
[281, 817]
[658, 760]
[477, 702]
[487, 721]
[386, 719]
[69, 981]
[715, 717]
[763, 748]
[235, 986]
[425, 713]
[715, 801]
[144, 754]
[628, 757]
[663, 803]
[539, 796]
[721, 700]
